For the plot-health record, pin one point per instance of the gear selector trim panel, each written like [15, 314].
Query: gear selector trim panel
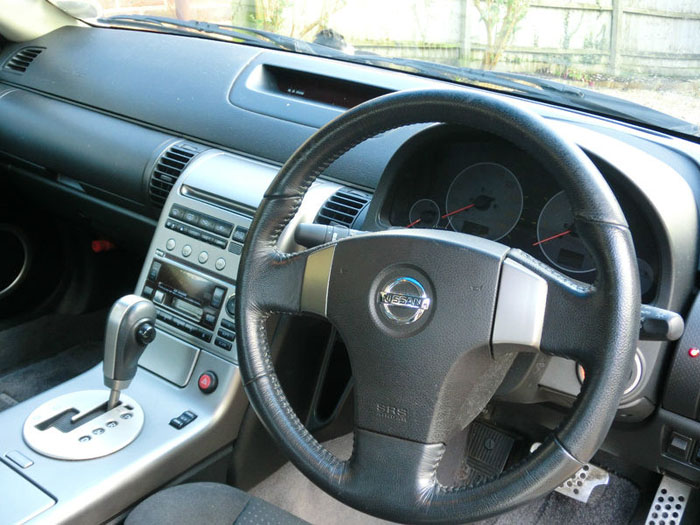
[94, 438]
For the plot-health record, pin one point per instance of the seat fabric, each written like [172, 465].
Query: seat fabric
[210, 503]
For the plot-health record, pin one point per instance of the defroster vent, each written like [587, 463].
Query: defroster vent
[343, 207]
[169, 167]
[21, 60]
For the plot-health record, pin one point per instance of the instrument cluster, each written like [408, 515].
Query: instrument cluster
[491, 189]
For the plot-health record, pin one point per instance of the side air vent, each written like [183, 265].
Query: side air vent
[169, 167]
[343, 207]
[21, 60]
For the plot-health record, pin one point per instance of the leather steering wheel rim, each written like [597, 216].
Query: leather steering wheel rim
[392, 472]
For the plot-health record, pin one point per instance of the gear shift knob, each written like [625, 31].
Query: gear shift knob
[130, 328]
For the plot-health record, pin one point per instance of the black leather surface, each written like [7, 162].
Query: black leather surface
[393, 477]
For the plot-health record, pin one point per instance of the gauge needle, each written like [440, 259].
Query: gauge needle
[444, 216]
[567, 232]
[457, 211]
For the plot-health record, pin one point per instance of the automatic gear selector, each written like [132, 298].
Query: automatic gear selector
[130, 328]
[85, 424]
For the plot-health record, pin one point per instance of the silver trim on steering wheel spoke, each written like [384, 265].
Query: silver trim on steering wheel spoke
[520, 309]
[317, 274]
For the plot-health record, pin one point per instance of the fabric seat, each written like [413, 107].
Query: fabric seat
[210, 503]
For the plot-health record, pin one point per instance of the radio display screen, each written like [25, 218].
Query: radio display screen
[185, 285]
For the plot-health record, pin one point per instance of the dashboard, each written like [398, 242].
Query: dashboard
[91, 129]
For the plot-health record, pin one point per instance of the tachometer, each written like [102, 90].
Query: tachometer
[425, 213]
[557, 237]
[486, 200]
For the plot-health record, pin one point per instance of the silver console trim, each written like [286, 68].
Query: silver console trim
[171, 358]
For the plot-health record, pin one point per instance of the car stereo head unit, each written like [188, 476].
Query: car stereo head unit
[187, 295]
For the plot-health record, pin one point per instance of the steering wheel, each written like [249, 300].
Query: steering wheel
[432, 321]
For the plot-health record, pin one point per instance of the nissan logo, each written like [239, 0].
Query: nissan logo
[404, 300]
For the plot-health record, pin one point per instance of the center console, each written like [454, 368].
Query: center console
[187, 396]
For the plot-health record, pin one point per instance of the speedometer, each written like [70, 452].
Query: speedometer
[485, 200]
[558, 239]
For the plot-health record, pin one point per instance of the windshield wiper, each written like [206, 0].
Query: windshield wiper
[243, 35]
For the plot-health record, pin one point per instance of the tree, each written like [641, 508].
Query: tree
[501, 18]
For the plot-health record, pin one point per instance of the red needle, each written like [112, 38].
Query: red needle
[444, 216]
[457, 211]
[567, 232]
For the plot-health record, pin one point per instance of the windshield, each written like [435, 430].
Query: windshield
[645, 54]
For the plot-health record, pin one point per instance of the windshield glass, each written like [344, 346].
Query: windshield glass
[645, 52]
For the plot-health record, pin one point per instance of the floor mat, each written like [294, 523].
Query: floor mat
[27, 381]
[45, 336]
[290, 489]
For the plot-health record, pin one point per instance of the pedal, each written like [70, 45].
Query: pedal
[580, 486]
[486, 453]
[669, 503]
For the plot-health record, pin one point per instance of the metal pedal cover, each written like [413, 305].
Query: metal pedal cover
[581, 485]
[669, 503]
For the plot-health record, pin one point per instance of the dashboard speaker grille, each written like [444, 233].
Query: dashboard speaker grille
[20, 61]
[168, 168]
[343, 207]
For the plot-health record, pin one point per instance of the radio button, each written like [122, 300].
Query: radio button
[203, 257]
[223, 228]
[240, 234]
[177, 212]
[147, 292]
[186, 250]
[207, 223]
[218, 297]
[229, 325]
[220, 263]
[193, 232]
[235, 248]
[222, 343]
[229, 336]
[231, 305]
[204, 336]
[220, 243]
[191, 217]
[209, 320]
[159, 296]
[170, 245]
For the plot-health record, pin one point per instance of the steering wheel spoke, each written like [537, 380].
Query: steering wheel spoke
[541, 309]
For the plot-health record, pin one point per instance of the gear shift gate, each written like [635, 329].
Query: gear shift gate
[78, 426]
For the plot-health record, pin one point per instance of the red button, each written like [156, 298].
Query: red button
[208, 382]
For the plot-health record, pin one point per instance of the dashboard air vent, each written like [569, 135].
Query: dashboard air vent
[168, 168]
[21, 60]
[343, 207]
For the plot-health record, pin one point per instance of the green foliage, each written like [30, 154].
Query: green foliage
[501, 18]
